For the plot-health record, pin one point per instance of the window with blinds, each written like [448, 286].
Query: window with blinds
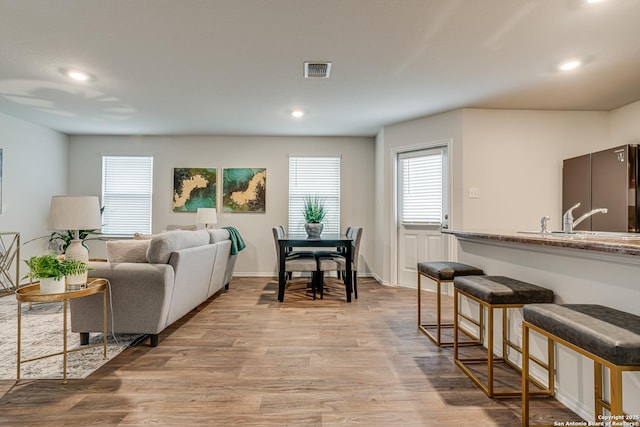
[314, 176]
[421, 197]
[127, 186]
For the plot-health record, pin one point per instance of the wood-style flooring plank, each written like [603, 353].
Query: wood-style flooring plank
[244, 359]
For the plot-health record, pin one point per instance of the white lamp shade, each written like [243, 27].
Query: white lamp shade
[206, 216]
[75, 213]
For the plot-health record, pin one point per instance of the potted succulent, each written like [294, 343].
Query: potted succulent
[314, 212]
[51, 271]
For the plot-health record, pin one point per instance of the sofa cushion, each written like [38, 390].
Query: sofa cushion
[127, 250]
[162, 245]
[217, 235]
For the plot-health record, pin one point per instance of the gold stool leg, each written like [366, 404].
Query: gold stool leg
[455, 323]
[525, 375]
[419, 300]
[437, 336]
[551, 366]
[597, 389]
[616, 390]
[489, 350]
[438, 310]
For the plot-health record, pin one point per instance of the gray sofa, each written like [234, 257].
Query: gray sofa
[155, 282]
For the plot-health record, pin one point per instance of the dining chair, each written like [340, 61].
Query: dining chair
[338, 263]
[338, 251]
[296, 263]
[290, 252]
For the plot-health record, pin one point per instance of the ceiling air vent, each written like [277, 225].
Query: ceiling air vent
[317, 70]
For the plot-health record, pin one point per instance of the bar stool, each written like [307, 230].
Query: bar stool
[609, 337]
[497, 292]
[440, 272]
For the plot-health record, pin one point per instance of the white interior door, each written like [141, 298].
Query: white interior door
[422, 210]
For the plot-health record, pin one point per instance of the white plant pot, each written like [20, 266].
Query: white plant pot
[49, 285]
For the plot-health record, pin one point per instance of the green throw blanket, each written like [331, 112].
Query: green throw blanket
[237, 244]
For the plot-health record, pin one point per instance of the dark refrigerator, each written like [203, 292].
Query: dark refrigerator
[605, 179]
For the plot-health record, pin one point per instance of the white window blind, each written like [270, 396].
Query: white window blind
[127, 186]
[421, 198]
[314, 176]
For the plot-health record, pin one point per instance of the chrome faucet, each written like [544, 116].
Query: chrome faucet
[543, 224]
[567, 219]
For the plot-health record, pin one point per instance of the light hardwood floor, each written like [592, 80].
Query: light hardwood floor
[244, 359]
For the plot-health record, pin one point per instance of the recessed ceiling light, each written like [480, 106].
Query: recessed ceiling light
[77, 75]
[593, 1]
[570, 65]
[297, 113]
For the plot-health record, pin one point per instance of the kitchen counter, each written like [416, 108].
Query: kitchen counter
[580, 269]
[612, 243]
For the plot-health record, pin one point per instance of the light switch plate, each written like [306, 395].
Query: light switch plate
[474, 193]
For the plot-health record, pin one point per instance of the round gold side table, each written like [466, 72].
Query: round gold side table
[31, 293]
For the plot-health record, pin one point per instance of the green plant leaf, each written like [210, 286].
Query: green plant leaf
[314, 211]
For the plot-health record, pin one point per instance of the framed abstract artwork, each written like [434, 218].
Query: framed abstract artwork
[194, 188]
[244, 190]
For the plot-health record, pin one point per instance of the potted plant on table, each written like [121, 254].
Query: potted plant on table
[50, 270]
[314, 212]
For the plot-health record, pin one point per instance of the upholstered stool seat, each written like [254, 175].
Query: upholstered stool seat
[494, 292]
[440, 272]
[609, 337]
[503, 290]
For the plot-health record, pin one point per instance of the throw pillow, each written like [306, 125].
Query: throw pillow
[142, 236]
[127, 250]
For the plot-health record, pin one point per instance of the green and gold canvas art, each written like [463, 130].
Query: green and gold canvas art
[244, 189]
[194, 188]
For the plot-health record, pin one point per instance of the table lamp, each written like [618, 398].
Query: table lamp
[75, 213]
[206, 216]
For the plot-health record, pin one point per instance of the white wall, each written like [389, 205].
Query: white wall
[447, 128]
[34, 169]
[357, 177]
[625, 125]
[515, 159]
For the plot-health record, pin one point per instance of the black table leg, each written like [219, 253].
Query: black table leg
[281, 273]
[349, 275]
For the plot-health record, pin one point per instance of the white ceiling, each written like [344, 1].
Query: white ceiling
[236, 66]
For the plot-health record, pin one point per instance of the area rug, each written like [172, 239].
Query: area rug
[42, 334]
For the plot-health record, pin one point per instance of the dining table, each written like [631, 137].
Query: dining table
[323, 241]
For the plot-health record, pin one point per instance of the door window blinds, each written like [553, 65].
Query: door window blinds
[127, 186]
[314, 176]
[421, 195]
